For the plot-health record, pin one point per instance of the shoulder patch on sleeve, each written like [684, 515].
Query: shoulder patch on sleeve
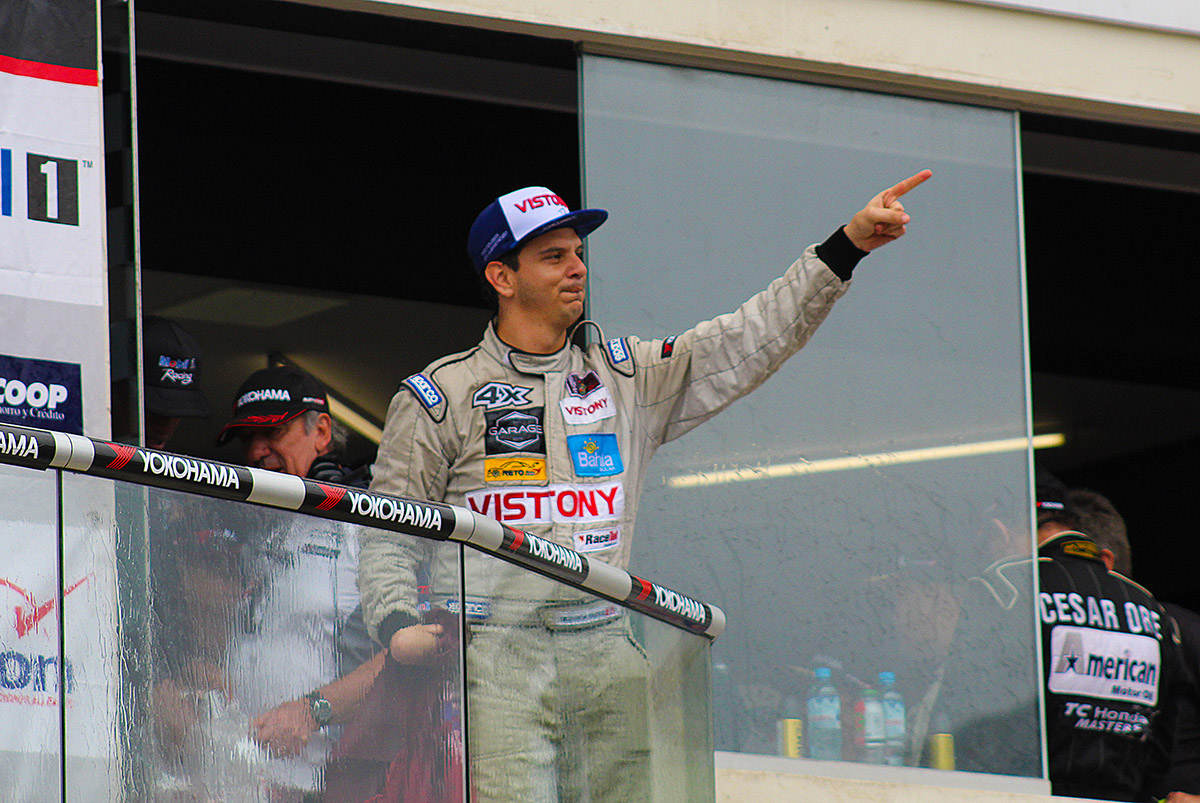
[428, 394]
[668, 347]
[620, 355]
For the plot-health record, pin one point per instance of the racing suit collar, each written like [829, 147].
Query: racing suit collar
[523, 361]
[1071, 543]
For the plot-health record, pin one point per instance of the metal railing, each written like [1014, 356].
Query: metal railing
[44, 449]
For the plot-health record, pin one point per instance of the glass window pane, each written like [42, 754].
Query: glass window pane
[848, 514]
[573, 697]
[252, 609]
[30, 657]
[91, 645]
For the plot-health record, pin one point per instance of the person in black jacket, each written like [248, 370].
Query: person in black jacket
[1110, 660]
[1101, 520]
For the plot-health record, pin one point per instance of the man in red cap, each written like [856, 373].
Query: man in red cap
[307, 580]
[281, 416]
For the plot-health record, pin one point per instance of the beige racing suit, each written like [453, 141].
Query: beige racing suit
[557, 445]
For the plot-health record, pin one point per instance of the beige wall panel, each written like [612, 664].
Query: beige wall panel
[737, 786]
[934, 48]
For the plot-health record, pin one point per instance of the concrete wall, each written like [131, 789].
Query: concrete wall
[934, 48]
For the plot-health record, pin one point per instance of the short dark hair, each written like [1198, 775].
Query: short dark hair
[510, 260]
[1099, 519]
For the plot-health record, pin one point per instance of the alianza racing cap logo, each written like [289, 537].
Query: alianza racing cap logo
[580, 386]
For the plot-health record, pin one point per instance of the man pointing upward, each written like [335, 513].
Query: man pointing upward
[555, 439]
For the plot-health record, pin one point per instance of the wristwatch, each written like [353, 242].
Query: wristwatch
[320, 708]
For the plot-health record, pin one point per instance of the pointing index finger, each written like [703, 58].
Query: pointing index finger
[906, 185]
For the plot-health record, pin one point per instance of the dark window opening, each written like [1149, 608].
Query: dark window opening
[1114, 345]
[307, 178]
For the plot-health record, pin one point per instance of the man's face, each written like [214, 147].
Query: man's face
[159, 429]
[550, 282]
[288, 447]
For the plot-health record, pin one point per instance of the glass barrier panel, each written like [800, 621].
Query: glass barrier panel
[572, 697]
[866, 510]
[31, 680]
[250, 610]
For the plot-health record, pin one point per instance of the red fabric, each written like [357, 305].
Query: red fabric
[406, 745]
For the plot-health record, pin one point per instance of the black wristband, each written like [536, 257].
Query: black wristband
[840, 254]
[394, 621]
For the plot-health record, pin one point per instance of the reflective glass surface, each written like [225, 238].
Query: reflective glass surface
[250, 610]
[30, 649]
[866, 510]
[575, 698]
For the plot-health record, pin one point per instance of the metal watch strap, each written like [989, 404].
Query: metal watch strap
[320, 708]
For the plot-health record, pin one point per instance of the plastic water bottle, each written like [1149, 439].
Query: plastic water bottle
[870, 709]
[234, 764]
[895, 729]
[824, 718]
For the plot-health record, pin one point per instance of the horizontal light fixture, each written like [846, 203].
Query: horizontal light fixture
[340, 410]
[880, 460]
[356, 422]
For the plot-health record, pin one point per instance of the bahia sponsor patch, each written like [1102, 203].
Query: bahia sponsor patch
[595, 455]
[508, 469]
[509, 431]
[586, 400]
[597, 540]
[495, 395]
[1104, 665]
[41, 393]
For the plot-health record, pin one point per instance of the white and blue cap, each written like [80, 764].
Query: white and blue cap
[511, 219]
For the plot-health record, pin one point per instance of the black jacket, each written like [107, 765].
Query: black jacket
[1111, 664]
[1185, 760]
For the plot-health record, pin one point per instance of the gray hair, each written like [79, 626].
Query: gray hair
[1099, 519]
[339, 433]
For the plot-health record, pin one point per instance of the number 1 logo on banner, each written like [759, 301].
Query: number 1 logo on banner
[52, 187]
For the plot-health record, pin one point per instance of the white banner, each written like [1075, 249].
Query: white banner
[54, 374]
[51, 191]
